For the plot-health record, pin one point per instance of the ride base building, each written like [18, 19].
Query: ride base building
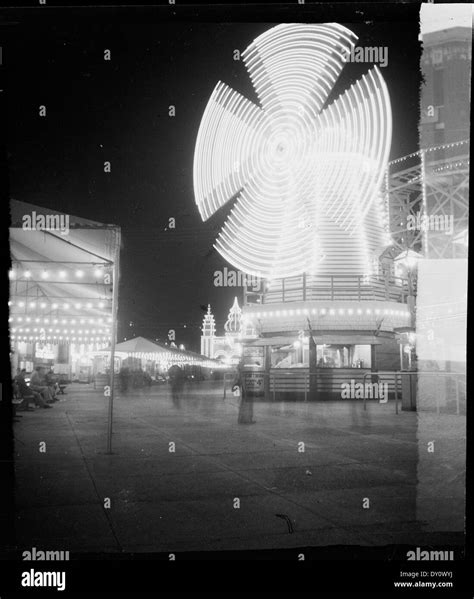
[306, 336]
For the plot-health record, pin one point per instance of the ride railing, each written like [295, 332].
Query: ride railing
[438, 392]
[328, 381]
[329, 288]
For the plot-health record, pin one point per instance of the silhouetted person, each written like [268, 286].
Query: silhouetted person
[27, 394]
[176, 375]
[246, 401]
[39, 385]
[124, 378]
[51, 381]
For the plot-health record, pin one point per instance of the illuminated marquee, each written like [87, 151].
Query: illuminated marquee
[307, 176]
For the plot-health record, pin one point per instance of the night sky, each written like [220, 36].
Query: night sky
[118, 111]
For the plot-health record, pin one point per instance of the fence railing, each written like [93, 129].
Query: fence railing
[329, 383]
[334, 287]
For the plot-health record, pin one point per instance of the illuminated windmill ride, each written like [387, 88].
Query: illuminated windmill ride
[305, 171]
[302, 172]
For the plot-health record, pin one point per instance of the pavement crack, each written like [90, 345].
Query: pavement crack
[287, 520]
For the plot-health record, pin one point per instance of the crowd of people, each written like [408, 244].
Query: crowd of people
[42, 391]
[133, 378]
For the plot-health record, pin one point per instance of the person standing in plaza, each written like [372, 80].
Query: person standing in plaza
[246, 399]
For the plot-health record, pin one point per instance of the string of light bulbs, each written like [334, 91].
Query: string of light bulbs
[49, 338]
[328, 311]
[69, 321]
[428, 150]
[48, 305]
[62, 275]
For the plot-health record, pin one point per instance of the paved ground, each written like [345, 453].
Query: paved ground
[185, 500]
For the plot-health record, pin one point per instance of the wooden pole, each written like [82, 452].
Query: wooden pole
[116, 276]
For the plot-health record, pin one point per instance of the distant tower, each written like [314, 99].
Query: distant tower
[445, 97]
[233, 325]
[444, 135]
[208, 334]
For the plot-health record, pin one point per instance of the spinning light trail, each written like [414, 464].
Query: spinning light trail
[307, 175]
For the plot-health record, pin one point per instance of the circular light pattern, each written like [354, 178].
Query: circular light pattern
[305, 174]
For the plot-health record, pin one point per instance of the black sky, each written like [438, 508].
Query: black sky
[118, 111]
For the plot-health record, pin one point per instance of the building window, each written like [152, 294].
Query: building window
[289, 356]
[437, 56]
[343, 356]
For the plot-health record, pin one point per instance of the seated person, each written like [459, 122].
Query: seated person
[27, 394]
[51, 381]
[38, 384]
[16, 393]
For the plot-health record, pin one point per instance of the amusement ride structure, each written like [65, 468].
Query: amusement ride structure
[319, 213]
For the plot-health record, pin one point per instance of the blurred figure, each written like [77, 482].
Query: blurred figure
[124, 376]
[246, 401]
[51, 381]
[38, 384]
[28, 394]
[176, 375]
